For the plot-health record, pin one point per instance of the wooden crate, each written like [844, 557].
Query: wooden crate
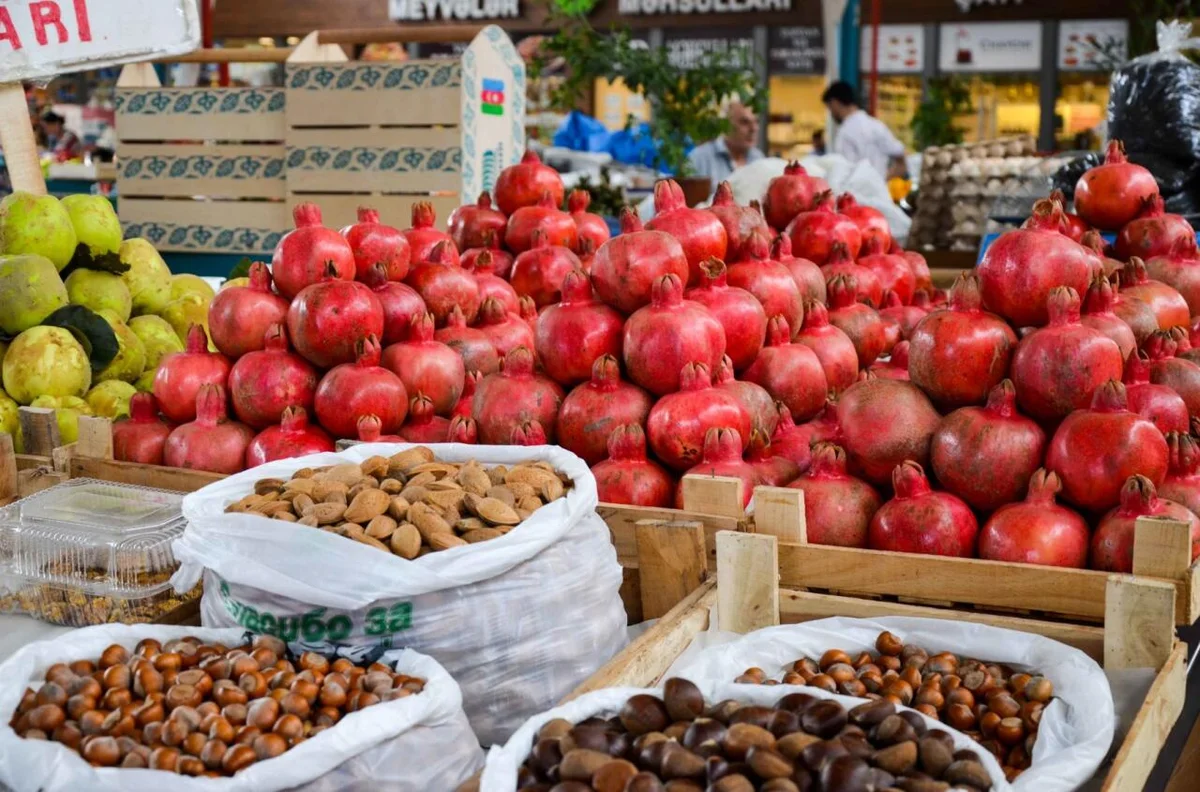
[749, 593]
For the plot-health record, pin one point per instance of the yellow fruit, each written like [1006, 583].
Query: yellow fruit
[186, 283]
[66, 411]
[30, 290]
[45, 361]
[10, 419]
[158, 338]
[131, 355]
[110, 399]
[148, 278]
[185, 312]
[100, 291]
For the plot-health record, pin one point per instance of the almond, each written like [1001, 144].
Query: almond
[327, 513]
[309, 519]
[446, 500]
[421, 479]
[528, 474]
[497, 474]
[286, 516]
[263, 486]
[398, 508]
[428, 522]
[413, 493]
[352, 531]
[305, 485]
[303, 473]
[551, 490]
[273, 508]
[444, 485]
[409, 459]
[374, 466]
[367, 505]
[444, 541]
[381, 527]
[473, 479]
[322, 489]
[522, 490]
[346, 473]
[481, 535]
[530, 504]
[391, 486]
[335, 497]
[406, 541]
[302, 503]
[496, 512]
[467, 524]
[504, 494]
[378, 545]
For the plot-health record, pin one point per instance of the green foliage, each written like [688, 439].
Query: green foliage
[606, 199]
[241, 269]
[933, 122]
[685, 104]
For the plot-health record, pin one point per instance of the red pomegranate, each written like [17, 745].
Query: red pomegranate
[370, 430]
[1112, 543]
[1094, 242]
[1020, 268]
[586, 250]
[699, 231]
[770, 282]
[667, 334]
[917, 263]
[352, 390]
[815, 232]
[808, 276]
[1095, 450]
[1110, 195]
[919, 520]
[773, 470]
[1179, 268]
[1073, 225]
[180, 376]
[1178, 374]
[327, 320]
[211, 442]
[626, 267]
[906, 317]
[491, 285]
[589, 226]
[525, 183]
[506, 331]
[896, 365]
[754, 397]
[740, 222]
[1037, 530]
[293, 437]
[423, 237]
[885, 422]
[679, 422]
[1158, 404]
[722, 456]
[1098, 314]
[837, 506]
[627, 477]
[513, 395]
[463, 429]
[788, 195]
[870, 221]
[474, 345]
[540, 270]
[739, 312]
[399, 301]
[892, 272]
[575, 333]
[528, 312]
[1154, 232]
[958, 354]
[264, 384]
[374, 243]
[1057, 368]
[239, 316]
[867, 283]
[443, 284]
[304, 255]
[140, 437]
[860, 323]
[528, 433]
[427, 366]
[555, 225]
[986, 455]
[1135, 313]
[790, 372]
[463, 406]
[1182, 483]
[793, 442]
[1169, 306]
[591, 411]
[474, 225]
[502, 260]
[422, 425]
[834, 348]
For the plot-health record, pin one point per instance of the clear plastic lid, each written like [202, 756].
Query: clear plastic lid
[102, 505]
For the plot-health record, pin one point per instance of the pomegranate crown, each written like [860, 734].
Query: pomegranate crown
[1184, 247]
[1137, 368]
[823, 202]
[1047, 216]
[778, 331]
[456, 318]
[816, 315]
[786, 423]
[1115, 153]
[667, 290]
[1138, 497]
[1182, 338]
[843, 291]
[694, 376]
[1110, 397]
[518, 362]
[630, 221]
[724, 195]
[470, 382]
[484, 263]
[846, 201]
[527, 307]
[1062, 305]
[367, 351]
[781, 248]
[441, 253]
[668, 196]
[966, 295]
[722, 444]
[1002, 399]
[275, 338]
[828, 459]
[1043, 486]
[143, 408]
[529, 433]
[376, 277]
[369, 428]
[492, 312]
[838, 252]
[714, 272]
[420, 409]
[606, 373]
[756, 246]
[579, 201]
[485, 200]
[576, 287]
[197, 340]
[530, 158]
[420, 328]
[1100, 296]
[490, 240]
[760, 446]
[585, 247]
[1134, 272]
[891, 299]
[874, 245]
[627, 442]
[463, 429]
[210, 404]
[306, 214]
[794, 168]
[368, 215]
[260, 277]
[423, 215]
[1152, 206]
[908, 480]
[539, 239]
[724, 370]
[294, 419]
[1184, 454]
[546, 200]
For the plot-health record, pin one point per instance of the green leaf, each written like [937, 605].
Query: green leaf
[241, 269]
[105, 262]
[95, 334]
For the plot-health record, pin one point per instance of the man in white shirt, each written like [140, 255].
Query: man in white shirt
[860, 136]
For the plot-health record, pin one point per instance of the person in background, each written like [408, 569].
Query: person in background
[718, 158]
[63, 142]
[818, 143]
[860, 136]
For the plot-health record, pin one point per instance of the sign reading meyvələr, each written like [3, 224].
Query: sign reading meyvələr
[421, 10]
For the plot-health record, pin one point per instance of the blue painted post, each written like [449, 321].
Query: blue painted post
[849, 39]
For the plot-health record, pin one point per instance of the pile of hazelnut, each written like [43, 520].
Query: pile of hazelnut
[678, 743]
[993, 704]
[196, 708]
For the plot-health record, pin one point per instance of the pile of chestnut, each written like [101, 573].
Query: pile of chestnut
[991, 703]
[196, 708]
[677, 743]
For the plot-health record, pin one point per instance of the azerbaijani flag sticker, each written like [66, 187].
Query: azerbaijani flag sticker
[492, 97]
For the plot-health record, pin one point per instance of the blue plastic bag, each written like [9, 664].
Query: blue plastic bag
[634, 146]
[581, 132]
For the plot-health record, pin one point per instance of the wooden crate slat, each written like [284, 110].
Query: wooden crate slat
[1151, 727]
[215, 169]
[200, 114]
[412, 93]
[396, 210]
[373, 170]
[177, 479]
[438, 137]
[622, 520]
[245, 227]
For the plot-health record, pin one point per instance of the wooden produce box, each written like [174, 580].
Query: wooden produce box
[750, 591]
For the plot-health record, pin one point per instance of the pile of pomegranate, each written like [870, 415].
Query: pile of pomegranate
[1029, 415]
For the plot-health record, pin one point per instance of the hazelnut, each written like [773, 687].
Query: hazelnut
[164, 758]
[117, 676]
[960, 717]
[1010, 731]
[900, 689]
[1039, 689]
[988, 723]
[237, 757]
[47, 717]
[246, 735]
[268, 746]
[288, 727]
[168, 661]
[102, 751]
[212, 753]
[262, 713]
[116, 698]
[889, 644]
[234, 713]
[929, 710]
[295, 704]
[114, 655]
[832, 657]
[960, 695]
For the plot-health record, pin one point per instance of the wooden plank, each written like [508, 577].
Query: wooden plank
[396, 210]
[340, 168]
[168, 478]
[779, 511]
[39, 430]
[154, 114]
[631, 594]
[1187, 608]
[671, 563]
[1139, 622]
[251, 228]
[36, 480]
[1187, 769]
[29, 461]
[721, 495]
[801, 606]
[412, 93]
[375, 137]
[748, 572]
[1138, 753]
[213, 169]
[647, 657]
[95, 438]
[622, 519]
[8, 469]
[60, 458]
[1162, 548]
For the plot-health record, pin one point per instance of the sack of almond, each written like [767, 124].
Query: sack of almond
[490, 559]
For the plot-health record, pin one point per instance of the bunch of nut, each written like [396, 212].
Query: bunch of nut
[989, 702]
[802, 744]
[409, 504]
[199, 709]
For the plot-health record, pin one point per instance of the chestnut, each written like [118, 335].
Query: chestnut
[643, 713]
[683, 700]
[824, 719]
[889, 644]
[238, 757]
[115, 655]
[164, 758]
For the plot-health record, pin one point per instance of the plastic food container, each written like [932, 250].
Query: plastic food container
[91, 552]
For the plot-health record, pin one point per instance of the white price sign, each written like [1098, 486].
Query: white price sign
[990, 47]
[1092, 44]
[901, 49]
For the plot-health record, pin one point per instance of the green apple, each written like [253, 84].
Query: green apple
[158, 338]
[148, 278]
[131, 355]
[30, 290]
[100, 291]
[45, 361]
[95, 221]
[37, 224]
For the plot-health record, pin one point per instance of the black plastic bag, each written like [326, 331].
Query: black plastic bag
[1154, 100]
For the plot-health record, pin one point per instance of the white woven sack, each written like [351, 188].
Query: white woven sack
[518, 621]
[373, 749]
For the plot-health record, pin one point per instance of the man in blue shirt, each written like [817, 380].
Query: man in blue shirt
[718, 158]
